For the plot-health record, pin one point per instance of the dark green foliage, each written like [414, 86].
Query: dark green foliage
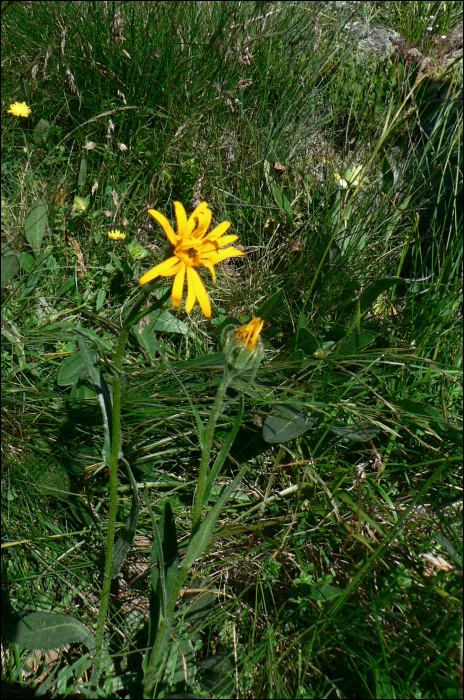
[322, 576]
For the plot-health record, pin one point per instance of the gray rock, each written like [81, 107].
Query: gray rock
[374, 38]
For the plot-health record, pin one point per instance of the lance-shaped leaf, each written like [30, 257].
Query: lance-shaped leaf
[354, 343]
[286, 422]
[72, 369]
[126, 535]
[41, 133]
[202, 537]
[376, 289]
[266, 310]
[158, 583]
[36, 224]
[164, 567]
[283, 202]
[45, 631]
[104, 399]
[10, 266]
[82, 177]
[221, 458]
[361, 431]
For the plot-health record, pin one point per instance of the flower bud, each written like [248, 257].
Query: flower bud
[242, 346]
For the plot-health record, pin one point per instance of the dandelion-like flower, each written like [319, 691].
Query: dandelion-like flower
[116, 235]
[19, 109]
[193, 247]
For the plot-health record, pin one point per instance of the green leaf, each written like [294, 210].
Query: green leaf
[202, 537]
[158, 599]
[199, 610]
[181, 658]
[361, 431]
[116, 261]
[374, 290]
[45, 631]
[306, 342]
[80, 392]
[354, 343]
[282, 202]
[82, 177]
[71, 370]
[322, 591]
[104, 398]
[266, 310]
[221, 458]
[218, 676]
[170, 548]
[126, 535]
[26, 261]
[81, 511]
[10, 266]
[40, 133]
[36, 273]
[101, 295]
[286, 422]
[36, 224]
[421, 410]
[160, 321]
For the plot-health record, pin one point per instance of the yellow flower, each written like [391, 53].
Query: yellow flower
[116, 235]
[192, 247]
[249, 334]
[19, 109]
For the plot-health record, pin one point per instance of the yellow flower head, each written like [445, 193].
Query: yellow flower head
[193, 247]
[116, 235]
[249, 334]
[19, 109]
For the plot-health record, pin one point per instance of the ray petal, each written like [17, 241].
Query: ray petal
[164, 269]
[219, 230]
[166, 226]
[191, 296]
[178, 287]
[200, 221]
[219, 255]
[225, 240]
[200, 293]
[210, 266]
[181, 217]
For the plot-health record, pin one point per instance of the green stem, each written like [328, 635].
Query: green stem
[114, 458]
[206, 451]
[113, 494]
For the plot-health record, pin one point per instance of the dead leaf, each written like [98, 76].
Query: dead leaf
[279, 169]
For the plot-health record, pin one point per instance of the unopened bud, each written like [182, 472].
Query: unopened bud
[242, 346]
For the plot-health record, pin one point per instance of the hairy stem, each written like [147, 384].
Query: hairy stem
[113, 490]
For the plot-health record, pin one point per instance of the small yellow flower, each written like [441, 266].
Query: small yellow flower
[116, 235]
[249, 334]
[19, 109]
[192, 247]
